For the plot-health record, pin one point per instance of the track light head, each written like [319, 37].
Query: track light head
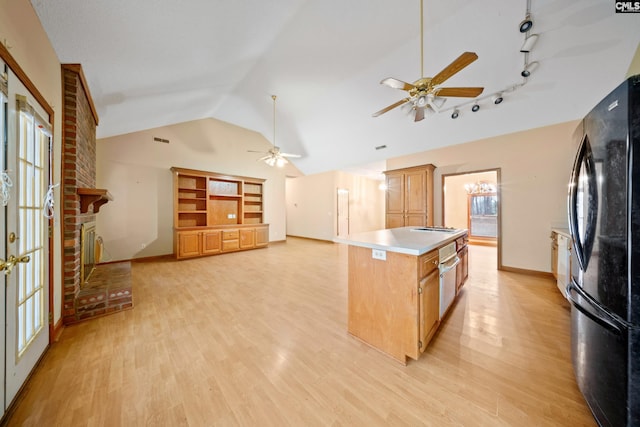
[455, 114]
[528, 44]
[475, 107]
[497, 98]
[529, 68]
[526, 24]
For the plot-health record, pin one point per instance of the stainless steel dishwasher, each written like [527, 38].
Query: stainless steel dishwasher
[447, 266]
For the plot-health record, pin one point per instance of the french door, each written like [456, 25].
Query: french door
[24, 269]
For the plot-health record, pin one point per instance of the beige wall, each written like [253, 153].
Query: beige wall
[312, 204]
[135, 169]
[535, 167]
[28, 44]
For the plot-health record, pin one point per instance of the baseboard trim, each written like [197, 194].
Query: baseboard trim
[536, 273]
[311, 238]
[57, 329]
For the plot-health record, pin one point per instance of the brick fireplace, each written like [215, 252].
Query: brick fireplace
[108, 289]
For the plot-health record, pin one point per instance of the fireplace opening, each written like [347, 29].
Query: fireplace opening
[87, 251]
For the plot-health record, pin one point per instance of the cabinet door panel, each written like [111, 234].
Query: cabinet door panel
[395, 220]
[395, 193]
[211, 241]
[429, 307]
[262, 236]
[416, 192]
[416, 220]
[188, 244]
[247, 238]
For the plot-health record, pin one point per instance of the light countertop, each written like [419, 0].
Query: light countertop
[405, 240]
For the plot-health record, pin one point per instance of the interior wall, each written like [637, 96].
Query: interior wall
[312, 204]
[456, 202]
[135, 169]
[535, 167]
[28, 44]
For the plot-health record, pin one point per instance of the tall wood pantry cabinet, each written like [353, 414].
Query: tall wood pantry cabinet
[215, 213]
[409, 196]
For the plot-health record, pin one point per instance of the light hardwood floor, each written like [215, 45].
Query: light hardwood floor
[259, 338]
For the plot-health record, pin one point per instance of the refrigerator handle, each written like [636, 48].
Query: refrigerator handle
[572, 208]
[609, 322]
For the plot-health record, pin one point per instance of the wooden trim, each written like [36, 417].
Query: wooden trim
[77, 68]
[536, 273]
[19, 72]
[93, 196]
[186, 171]
[411, 168]
[57, 329]
[308, 238]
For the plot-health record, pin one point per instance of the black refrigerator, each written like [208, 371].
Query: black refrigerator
[604, 290]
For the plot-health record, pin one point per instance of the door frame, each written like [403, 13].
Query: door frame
[498, 193]
[31, 87]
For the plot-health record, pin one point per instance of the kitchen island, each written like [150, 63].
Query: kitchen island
[394, 296]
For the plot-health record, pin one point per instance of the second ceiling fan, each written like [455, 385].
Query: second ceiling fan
[426, 91]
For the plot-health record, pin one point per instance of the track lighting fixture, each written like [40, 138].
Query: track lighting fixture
[475, 107]
[455, 114]
[526, 24]
[529, 68]
[528, 44]
[497, 98]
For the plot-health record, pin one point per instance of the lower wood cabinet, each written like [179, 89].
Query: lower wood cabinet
[462, 269]
[394, 304]
[213, 241]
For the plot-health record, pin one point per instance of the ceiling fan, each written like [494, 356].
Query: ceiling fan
[426, 93]
[274, 157]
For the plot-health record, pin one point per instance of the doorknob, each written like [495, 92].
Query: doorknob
[7, 266]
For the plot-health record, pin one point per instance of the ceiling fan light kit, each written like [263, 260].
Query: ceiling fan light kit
[426, 95]
[274, 157]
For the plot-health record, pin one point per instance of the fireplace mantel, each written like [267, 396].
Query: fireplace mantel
[93, 196]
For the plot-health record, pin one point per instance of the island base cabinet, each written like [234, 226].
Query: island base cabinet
[393, 303]
[429, 308]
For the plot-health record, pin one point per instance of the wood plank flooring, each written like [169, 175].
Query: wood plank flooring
[259, 338]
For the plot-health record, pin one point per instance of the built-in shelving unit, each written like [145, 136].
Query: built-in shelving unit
[216, 213]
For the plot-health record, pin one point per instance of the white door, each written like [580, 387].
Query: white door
[25, 248]
[343, 212]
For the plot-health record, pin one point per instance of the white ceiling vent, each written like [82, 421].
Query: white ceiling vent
[156, 139]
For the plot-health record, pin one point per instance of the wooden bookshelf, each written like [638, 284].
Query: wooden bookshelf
[216, 213]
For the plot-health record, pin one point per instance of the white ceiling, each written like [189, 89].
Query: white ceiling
[157, 62]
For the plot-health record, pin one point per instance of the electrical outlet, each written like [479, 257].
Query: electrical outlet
[379, 254]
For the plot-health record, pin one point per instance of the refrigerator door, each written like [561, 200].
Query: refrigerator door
[600, 359]
[598, 206]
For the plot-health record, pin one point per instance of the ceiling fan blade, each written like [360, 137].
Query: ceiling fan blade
[397, 84]
[462, 92]
[391, 107]
[255, 151]
[451, 69]
[290, 155]
[261, 159]
[419, 114]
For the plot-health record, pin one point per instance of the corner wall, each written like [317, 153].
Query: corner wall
[312, 204]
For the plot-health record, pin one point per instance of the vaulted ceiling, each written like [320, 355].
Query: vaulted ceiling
[157, 62]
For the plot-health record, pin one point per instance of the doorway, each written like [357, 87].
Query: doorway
[25, 166]
[471, 200]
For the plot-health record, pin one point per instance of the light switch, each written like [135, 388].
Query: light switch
[379, 254]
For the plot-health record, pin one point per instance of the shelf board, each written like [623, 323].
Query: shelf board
[192, 212]
[192, 198]
[95, 197]
[230, 196]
